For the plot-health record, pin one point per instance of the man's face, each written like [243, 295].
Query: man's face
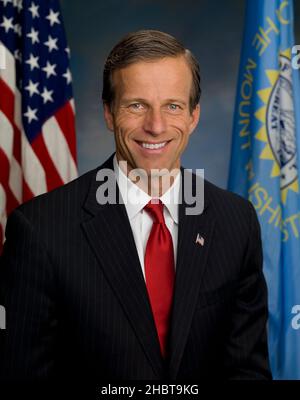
[151, 118]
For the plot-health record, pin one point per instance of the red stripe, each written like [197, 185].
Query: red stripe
[7, 100]
[27, 193]
[53, 178]
[11, 201]
[66, 121]
[7, 106]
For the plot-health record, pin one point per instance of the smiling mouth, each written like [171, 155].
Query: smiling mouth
[153, 146]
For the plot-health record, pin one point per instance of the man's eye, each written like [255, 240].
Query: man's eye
[174, 107]
[136, 106]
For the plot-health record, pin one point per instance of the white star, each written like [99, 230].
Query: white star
[34, 9]
[32, 88]
[6, 1]
[68, 76]
[51, 43]
[18, 55]
[34, 36]
[33, 62]
[31, 114]
[47, 95]
[18, 29]
[53, 17]
[67, 50]
[18, 4]
[7, 24]
[50, 69]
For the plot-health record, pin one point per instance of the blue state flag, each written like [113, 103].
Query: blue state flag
[265, 166]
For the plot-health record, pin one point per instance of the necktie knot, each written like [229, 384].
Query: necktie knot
[156, 210]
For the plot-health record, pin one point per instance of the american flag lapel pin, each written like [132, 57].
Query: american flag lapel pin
[200, 240]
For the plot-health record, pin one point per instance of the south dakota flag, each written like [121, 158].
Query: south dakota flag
[265, 166]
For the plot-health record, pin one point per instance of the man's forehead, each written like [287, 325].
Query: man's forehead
[143, 71]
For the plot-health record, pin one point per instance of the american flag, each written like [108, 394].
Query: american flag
[37, 129]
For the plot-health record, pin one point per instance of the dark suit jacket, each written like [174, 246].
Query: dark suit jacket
[77, 305]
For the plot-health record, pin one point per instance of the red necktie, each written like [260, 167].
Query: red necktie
[159, 272]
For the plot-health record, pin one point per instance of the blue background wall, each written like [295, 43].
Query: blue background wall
[212, 29]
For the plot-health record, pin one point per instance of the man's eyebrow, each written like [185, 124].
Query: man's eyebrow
[141, 100]
[176, 101]
[134, 99]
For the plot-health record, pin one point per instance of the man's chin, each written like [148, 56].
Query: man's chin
[156, 168]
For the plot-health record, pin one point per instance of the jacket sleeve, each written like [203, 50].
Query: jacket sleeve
[26, 292]
[246, 353]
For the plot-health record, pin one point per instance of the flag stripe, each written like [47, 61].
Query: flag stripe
[2, 203]
[58, 149]
[53, 178]
[7, 100]
[16, 180]
[65, 119]
[9, 73]
[33, 171]
[15, 173]
[7, 106]
[12, 147]
[7, 144]
[12, 201]
[34, 174]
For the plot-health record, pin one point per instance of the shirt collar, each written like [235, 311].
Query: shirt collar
[137, 198]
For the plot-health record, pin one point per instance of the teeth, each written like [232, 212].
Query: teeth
[153, 146]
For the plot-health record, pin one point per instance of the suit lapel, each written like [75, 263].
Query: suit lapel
[191, 263]
[109, 234]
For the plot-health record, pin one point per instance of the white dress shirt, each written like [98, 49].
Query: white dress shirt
[140, 220]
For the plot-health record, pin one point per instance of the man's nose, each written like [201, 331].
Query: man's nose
[155, 122]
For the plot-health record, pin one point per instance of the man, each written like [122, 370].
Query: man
[137, 289]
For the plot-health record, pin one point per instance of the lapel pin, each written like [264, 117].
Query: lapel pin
[200, 240]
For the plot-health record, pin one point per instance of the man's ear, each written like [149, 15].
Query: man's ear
[108, 117]
[195, 116]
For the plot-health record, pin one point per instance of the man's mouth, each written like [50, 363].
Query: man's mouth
[152, 145]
